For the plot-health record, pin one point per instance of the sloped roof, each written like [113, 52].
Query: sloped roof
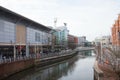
[27, 19]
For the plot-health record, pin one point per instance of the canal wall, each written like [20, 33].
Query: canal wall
[98, 73]
[51, 60]
[7, 69]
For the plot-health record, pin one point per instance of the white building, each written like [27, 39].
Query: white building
[104, 40]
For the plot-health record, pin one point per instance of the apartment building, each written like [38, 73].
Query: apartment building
[61, 36]
[116, 32]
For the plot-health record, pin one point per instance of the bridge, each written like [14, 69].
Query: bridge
[84, 48]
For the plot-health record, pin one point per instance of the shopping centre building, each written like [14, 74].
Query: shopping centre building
[20, 36]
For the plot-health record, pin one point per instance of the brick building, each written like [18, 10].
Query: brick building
[76, 40]
[72, 41]
[116, 32]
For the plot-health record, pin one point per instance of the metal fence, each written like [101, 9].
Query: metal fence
[36, 56]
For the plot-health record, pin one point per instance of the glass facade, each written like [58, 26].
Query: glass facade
[7, 32]
[61, 36]
[37, 36]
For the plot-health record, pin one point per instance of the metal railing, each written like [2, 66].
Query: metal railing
[35, 56]
[11, 59]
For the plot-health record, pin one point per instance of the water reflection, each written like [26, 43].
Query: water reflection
[75, 68]
[47, 73]
[87, 53]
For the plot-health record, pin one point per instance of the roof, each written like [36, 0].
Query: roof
[61, 28]
[16, 14]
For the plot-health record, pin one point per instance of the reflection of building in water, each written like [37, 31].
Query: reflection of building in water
[50, 73]
[86, 53]
[56, 72]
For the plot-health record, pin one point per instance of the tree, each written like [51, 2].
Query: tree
[114, 60]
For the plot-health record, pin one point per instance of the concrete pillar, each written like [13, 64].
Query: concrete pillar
[27, 50]
[35, 49]
[14, 49]
[41, 48]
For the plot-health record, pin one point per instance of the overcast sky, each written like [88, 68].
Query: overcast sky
[90, 18]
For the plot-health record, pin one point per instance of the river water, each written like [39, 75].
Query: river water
[77, 68]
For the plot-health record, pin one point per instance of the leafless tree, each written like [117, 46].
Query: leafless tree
[114, 60]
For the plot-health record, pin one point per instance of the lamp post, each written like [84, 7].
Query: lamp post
[101, 51]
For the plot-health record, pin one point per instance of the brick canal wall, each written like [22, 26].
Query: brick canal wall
[98, 73]
[7, 69]
[55, 59]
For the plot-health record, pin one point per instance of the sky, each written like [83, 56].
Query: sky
[90, 18]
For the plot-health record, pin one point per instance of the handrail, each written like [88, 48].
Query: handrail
[35, 56]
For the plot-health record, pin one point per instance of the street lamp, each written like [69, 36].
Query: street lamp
[101, 51]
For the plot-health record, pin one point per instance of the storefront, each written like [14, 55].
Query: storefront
[6, 51]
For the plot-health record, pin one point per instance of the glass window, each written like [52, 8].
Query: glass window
[7, 31]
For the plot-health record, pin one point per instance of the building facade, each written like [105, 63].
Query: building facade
[61, 36]
[76, 40]
[116, 32]
[105, 41]
[72, 41]
[20, 36]
[81, 41]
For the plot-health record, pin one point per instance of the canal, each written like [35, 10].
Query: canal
[80, 67]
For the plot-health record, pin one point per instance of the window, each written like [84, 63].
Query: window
[7, 31]
[1, 25]
[37, 37]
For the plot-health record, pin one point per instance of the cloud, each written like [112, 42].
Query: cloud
[84, 17]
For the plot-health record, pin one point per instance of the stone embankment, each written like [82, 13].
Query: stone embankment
[103, 73]
[11, 67]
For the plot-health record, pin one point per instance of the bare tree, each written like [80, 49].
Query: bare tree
[114, 60]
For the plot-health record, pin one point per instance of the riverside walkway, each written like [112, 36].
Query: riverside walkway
[103, 73]
[43, 56]
[103, 68]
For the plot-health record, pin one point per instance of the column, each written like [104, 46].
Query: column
[14, 51]
[27, 50]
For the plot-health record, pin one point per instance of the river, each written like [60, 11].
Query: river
[77, 68]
